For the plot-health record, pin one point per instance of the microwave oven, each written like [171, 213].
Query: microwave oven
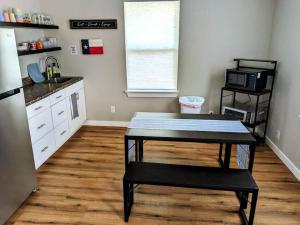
[246, 79]
[246, 113]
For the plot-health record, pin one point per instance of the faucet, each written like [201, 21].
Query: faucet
[51, 59]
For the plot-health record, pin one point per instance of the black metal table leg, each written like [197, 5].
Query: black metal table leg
[251, 157]
[141, 150]
[221, 155]
[126, 150]
[136, 147]
[244, 200]
[227, 155]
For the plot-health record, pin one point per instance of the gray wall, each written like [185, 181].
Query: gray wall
[285, 110]
[213, 32]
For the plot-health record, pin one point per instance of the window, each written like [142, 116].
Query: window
[152, 37]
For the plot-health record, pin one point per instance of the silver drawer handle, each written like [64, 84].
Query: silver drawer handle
[38, 108]
[44, 149]
[58, 97]
[62, 133]
[61, 113]
[41, 126]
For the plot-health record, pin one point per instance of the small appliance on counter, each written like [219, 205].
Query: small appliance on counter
[246, 79]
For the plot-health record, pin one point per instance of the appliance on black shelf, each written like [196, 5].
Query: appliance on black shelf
[247, 79]
[246, 112]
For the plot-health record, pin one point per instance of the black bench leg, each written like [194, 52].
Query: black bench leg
[244, 200]
[252, 210]
[131, 193]
[128, 199]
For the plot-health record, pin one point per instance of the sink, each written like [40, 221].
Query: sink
[58, 80]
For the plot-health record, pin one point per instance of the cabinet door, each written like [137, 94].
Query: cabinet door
[59, 113]
[61, 134]
[38, 107]
[57, 97]
[40, 125]
[76, 117]
[43, 149]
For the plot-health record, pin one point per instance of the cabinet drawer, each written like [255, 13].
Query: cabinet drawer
[59, 113]
[61, 133]
[37, 107]
[43, 149]
[40, 125]
[74, 88]
[57, 97]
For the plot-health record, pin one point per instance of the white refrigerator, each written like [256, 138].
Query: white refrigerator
[17, 171]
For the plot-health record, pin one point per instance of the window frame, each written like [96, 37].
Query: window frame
[154, 93]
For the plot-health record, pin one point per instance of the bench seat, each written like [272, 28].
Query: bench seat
[235, 180]
[190, 176]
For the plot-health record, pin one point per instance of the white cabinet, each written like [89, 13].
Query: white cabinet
[38, 107]
[40, 125]
[54, 119]
[57, 97]
[59, 113]
[62, 134]
[76, 106]
[43, 149]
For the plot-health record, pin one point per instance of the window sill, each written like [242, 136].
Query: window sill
[152, 93]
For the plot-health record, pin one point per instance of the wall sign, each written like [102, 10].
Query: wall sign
[94, 24]
[92, 47]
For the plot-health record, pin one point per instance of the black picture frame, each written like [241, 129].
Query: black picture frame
[94, 24]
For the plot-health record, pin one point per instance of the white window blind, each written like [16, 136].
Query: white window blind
[152, 37]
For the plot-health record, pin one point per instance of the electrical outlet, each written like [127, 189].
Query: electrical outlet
[211, 112]
[112, 108]
[278, 134]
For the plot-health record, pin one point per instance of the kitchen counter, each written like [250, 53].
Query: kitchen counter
[36, 92]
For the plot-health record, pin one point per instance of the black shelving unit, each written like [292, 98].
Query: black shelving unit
[258, 94]
[28, 25]
[38, 51]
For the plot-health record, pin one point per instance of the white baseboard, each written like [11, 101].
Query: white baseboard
[283, 158]
[106, 123]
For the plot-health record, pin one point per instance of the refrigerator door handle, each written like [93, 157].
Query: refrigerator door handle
[9, 93]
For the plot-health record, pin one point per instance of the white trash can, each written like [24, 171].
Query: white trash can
[191, 104]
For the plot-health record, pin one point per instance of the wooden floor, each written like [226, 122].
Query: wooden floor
[82, 184]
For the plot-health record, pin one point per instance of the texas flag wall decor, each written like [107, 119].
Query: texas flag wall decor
[92, 47]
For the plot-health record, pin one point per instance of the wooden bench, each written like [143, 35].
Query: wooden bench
[235, 180]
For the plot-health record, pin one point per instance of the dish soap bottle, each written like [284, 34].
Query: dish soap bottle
[49, 72]
[55, 71]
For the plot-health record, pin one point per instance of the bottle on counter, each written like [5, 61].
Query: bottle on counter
[12, 17]
[6, 16]
[49, 72]
[1, 16]
[39, 44]
[55, 71]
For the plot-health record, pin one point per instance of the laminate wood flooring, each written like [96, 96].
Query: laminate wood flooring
[82, 184]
